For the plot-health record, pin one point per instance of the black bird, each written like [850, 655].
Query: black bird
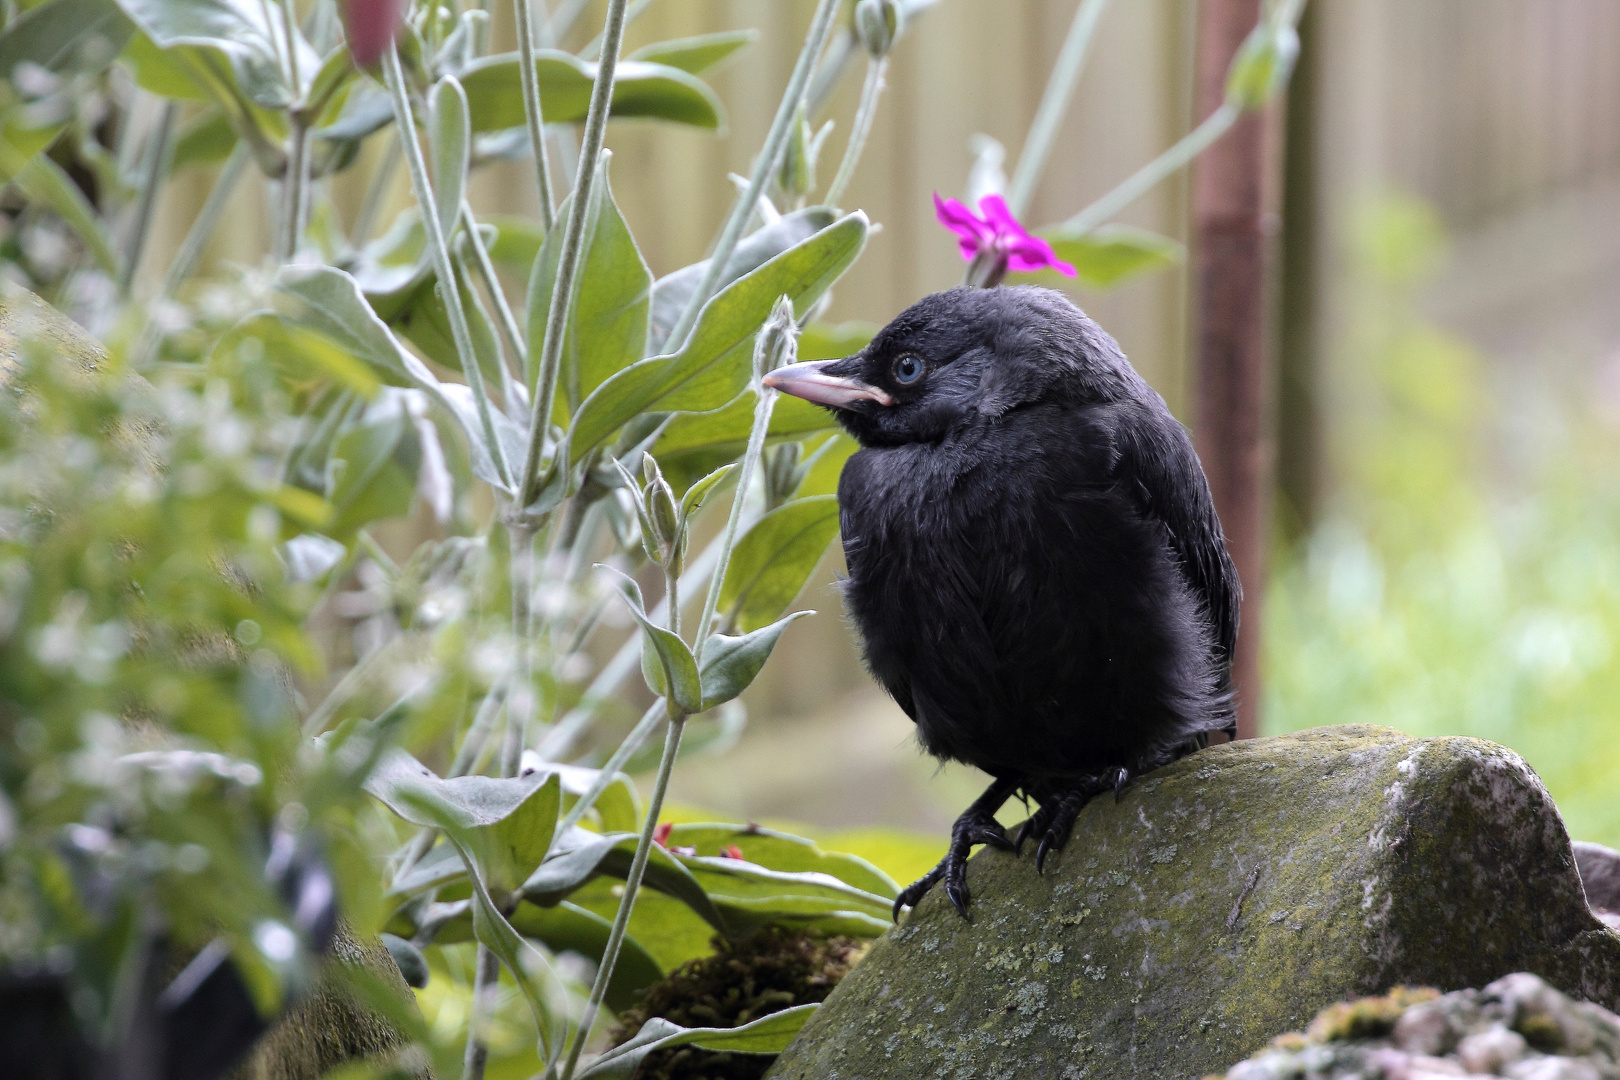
[1035, 564]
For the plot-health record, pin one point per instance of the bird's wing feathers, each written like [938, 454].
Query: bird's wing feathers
[1156, 463]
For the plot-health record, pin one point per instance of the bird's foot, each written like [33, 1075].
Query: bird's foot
[977, 825]
[1052, 822]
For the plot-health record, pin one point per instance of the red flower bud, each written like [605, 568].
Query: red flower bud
[732, 852]
[372, 26]
[661, 834]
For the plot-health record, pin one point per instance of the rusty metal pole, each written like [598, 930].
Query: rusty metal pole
[1233, 192]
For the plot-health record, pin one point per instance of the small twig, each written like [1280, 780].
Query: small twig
[865, 112]
[1248, 887]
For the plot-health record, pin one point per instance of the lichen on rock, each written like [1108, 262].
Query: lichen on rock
[1225, 898]
[1517, 1027]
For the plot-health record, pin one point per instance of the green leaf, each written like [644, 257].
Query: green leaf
[607, 327]
[206, 139]
[699, 492]
[724, 432]
[337, 74]
[450, 142]
[717, 362]
[730, 663]
[1109, 255]
[671, 292]
[830, 456]
[669, 930]
[505, 824]
[65, 36]
[303, 358]
[784, 851]
[580, 856]
[834, 341]
[666, 661]
[640, 89]
[695, 54]
[769, 1034]
[247, 33]
[517, 240]
[330, 302]
[371, 472]
[774, 559]
[421, 317]
[569, 927]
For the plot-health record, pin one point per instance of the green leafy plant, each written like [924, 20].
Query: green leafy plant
[356, 519]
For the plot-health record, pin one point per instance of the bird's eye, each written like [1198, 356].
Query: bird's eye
[907, 370]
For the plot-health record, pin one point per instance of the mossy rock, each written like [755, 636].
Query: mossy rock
[1225, 898]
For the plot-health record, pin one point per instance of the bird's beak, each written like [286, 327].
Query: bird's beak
[810, 381]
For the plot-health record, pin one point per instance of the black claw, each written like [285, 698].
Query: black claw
[1121, 778]
[1040, 854]
[977, 825]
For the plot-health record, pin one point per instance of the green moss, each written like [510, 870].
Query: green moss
[1368, 1017]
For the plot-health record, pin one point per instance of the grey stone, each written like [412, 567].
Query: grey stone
[1225, 899]
[1599, 867]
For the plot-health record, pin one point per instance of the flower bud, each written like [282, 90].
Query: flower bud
[372, 26]
[778, 342]
[797, 175]
[878, 23]
[784, 472]
[663, 520]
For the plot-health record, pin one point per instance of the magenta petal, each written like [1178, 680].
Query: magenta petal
[1031, 253]
[960, 220]
[999, 218]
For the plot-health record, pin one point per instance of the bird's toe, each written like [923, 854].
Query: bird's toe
[913, 893]
[956, 885]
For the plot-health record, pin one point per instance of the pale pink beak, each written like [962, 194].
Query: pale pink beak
[810, 381]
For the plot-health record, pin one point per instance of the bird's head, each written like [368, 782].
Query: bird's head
[962, 359]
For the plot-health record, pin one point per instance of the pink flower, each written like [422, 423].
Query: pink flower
[993, 233]
[661, 833]
[732, 851]
[373, 25]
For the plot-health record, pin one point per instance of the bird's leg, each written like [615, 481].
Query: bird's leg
[977, 825]
[1061, 806]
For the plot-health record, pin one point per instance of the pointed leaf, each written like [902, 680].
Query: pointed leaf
[717, 362]
[580, 856]
[450, 141]
[775, 558]
[207, 139]
[730, 663]
[695, 54]
[666, 660]
[770, 1034]
[783, 851]
[724, 432]
[571, 928]
[246, 33]
[655, 91]
[699, 492]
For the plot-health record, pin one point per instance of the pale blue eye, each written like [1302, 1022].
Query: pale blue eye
[907, 370]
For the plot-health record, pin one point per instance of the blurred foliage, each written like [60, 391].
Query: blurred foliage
[1454, 590]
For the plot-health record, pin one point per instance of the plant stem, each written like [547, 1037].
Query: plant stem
[829, 70]
[1148, 176]
[293, 183]
[632, 884]
[532, 115]
[506, 322]
[634, 12]
[487, 971]
[1071, 61]
[614, 672]
[770, 157]
[501, 347]
[191, 249]
[562, 294]
[437, 244]
[861, 128]
[366, 220]
[520, 700]
[764, 402]
[157, 166]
